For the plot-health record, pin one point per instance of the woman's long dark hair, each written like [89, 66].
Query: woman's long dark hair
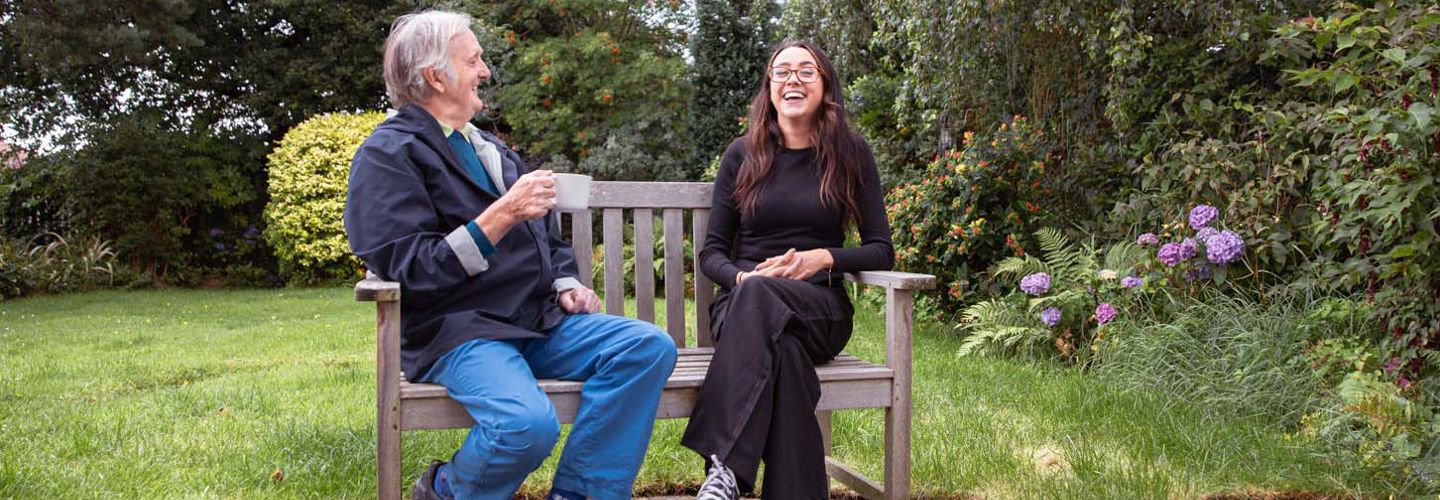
[838, 149]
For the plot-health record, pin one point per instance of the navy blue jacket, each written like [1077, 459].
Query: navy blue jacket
[405, 216]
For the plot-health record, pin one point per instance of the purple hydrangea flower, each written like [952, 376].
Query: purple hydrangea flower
[216, 232]
[1201, 215]
[1105, 312]
[1224, 247]
[1198, 274]
[1050, 316]
[1147, 239]
[1188, 247]
[1035, 284]
[1205, 233]
[1392, 365]
[1172, 254]
[1131, 282]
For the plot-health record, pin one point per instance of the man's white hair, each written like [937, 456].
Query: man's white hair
[418, 41]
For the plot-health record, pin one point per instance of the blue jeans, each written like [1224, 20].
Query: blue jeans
[624, 364]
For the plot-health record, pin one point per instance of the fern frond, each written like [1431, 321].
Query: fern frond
[1062, 257]
[1069, 296]
[1002, 339]
[1124, 256]
[1000, 324]
[1013, 268]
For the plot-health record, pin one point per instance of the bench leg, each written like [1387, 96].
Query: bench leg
[823, 417]
[897, 453]
[389, 461]
[387, 399]
[898, 326]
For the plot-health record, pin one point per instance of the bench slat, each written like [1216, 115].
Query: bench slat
[704, 289]
[614, 194]
[675, 274]
[893, 279]
[692, 375]
[614, 241]
[436, 411]
[582, 241]
[644, 221]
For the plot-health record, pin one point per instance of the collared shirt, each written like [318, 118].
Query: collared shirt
[473, 228]
[482, 241]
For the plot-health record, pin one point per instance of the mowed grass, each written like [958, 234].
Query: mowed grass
[270, 393]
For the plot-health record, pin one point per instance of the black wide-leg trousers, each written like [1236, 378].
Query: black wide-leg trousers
[760, 393]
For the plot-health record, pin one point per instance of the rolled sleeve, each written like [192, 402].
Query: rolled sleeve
[467, 250]
[565, 283]
[481, 240]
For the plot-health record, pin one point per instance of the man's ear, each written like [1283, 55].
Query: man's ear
[434, 79]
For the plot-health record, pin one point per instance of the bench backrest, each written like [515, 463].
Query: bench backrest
[637, 204]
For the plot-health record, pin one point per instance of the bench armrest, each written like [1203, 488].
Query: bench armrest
[373, 289]
[893, 279]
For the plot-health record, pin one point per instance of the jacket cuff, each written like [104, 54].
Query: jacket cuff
[467, 251]
[566, 283]
[481, 240]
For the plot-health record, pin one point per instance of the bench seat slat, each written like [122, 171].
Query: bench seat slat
[689, 375]
[427, 407]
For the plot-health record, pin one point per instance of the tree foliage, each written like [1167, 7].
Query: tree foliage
[730, 46]
[595, 79]
[155, 114]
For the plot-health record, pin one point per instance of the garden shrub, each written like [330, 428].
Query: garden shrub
[1372, 75]
[145, 185]
[1328, 165]
[54, 264]
[309, 173]
[970, 208]
[1390, 431]
[1061, 303]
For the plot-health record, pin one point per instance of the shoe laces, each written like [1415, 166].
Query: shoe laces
[719, 483]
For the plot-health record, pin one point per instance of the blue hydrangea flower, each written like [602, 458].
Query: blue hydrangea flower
[1201, 215]
[1131, 282]
[1203, 272]
[1050, 316]
[1035, 284]
[1188, 248]
[1224, 247]
[1205, 233]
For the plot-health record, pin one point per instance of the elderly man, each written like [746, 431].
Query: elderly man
[491, 301]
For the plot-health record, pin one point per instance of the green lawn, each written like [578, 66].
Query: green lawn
[269, 393]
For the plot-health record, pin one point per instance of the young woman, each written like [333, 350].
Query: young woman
[786, 194]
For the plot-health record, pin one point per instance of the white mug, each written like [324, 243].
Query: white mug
[572, 192]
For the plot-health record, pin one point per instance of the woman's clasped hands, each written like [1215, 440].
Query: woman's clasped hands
[791, 265]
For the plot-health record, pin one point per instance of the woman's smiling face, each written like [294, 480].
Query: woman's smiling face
[795, 99]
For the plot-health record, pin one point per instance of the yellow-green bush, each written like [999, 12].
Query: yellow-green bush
[309, 171]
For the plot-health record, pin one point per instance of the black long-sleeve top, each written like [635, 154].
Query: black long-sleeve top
[788, 215]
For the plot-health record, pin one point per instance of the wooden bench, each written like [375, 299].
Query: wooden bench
[847, 382]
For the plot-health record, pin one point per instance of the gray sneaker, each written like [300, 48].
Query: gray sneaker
[719, 483]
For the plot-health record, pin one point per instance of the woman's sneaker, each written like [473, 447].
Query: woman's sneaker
[719, 483]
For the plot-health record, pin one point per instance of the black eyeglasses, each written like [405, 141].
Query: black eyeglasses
[806, 74]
